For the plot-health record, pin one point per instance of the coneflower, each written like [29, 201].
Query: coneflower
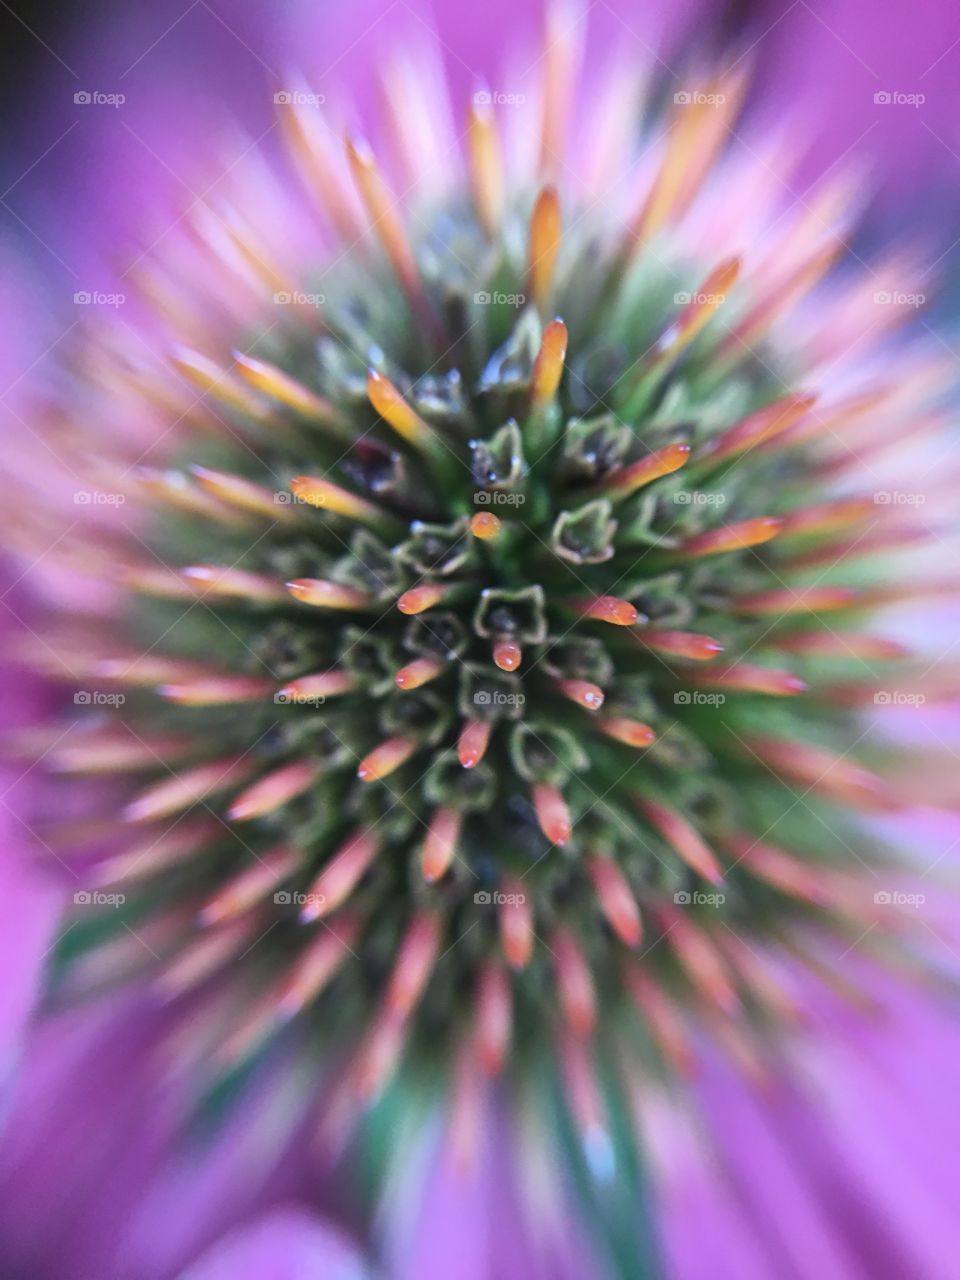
[498, 612]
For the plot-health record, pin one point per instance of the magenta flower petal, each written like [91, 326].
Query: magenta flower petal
[287, 1244]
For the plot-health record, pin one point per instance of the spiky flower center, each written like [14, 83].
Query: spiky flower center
[467, 618]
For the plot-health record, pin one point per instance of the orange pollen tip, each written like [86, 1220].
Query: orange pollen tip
[485, 525]
[383, 760]
[683, 644]
[327, 595]
[583, 692]
[735, 537]
[620, 613]
[545, 229]
[661, 463]
[552, 813]
[417, 673]
[632, 733]
[440, 845]
[548, 366]
[392, 407]
[474, 738]
[507, 655]
[419, 599]
[756, 679]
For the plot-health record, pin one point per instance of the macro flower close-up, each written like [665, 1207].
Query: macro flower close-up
[480, 611]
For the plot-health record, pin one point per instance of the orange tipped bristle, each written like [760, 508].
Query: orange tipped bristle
[440, 846]
[325, 594]
[474, 739]
[552, 813]
[548, 366]
[417, 673]
[583, 692]
[419, 599]
[632, 733]
[545, 230]
[383, 760]
[485, 525]
[734, 537]
[619, 613]
[507, 655]
[682, 644]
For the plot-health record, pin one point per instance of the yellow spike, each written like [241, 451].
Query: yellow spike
[243, 494]
[699, 128]
[548, 366]
[544, 244]
[279, 386]
[210, 379]
[561, 58]
[382, 209]
[486, 165]
[330, 497]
